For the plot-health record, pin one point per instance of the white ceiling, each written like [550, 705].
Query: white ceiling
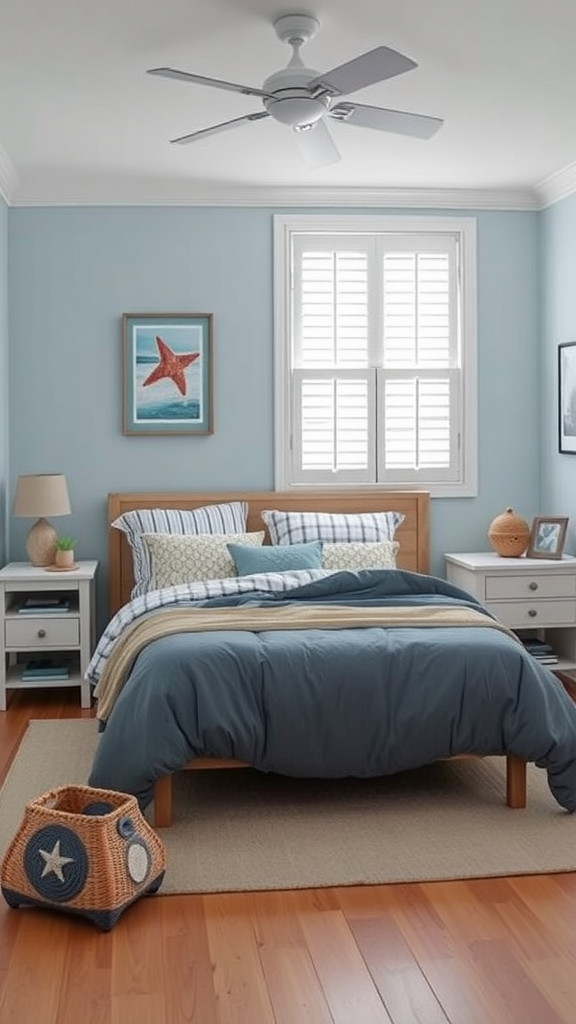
[81, 121]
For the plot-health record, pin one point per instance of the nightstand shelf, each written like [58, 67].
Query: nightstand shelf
[65, 635]
[14, 678]
[16, 601]
[534, 596]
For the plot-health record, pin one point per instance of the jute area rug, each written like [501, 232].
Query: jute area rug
[241, 830]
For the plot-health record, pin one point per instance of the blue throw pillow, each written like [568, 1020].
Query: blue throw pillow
[276, 558]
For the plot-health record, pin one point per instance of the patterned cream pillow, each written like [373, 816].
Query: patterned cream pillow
[354, 555]
[183, 559]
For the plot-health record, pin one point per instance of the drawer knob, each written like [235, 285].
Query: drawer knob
[533, 585]
[532, 613]
[41, 633]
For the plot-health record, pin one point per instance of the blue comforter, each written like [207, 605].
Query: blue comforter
[342, 702]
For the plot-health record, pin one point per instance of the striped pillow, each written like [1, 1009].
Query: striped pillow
[229, 517]
[331, 527]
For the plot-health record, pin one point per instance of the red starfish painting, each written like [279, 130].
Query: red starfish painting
[171, 365]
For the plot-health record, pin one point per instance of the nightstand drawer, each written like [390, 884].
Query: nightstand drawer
[42, 632]
[521, 614]
[540, 585]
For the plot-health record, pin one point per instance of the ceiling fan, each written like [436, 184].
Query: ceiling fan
[304, 100]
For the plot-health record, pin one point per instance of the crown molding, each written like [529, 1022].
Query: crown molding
[556, 186]
[412, 198]
[8, 177]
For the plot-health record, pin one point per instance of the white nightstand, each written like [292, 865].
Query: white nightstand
[67, 635]
[528, 594]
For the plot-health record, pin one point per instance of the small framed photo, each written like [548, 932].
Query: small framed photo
[547, 537]
[167, 364]
[567, 398]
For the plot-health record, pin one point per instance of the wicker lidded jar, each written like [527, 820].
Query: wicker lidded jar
[509, 534]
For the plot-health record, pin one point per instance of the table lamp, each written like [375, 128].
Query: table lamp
[43, 494]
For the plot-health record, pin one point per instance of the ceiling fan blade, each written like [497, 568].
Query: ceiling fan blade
[317, 145]
[374, 66]
[419, 125]
[215, 128]
[187, 76]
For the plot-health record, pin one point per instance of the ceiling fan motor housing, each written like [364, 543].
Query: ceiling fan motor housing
[292, 103]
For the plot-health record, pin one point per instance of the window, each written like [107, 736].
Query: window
[375, 352]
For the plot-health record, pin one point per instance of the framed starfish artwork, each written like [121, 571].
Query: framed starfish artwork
[167, 363]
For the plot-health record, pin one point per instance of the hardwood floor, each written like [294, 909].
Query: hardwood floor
[499, 951]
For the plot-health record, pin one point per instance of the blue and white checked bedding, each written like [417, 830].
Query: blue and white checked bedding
[183, 594]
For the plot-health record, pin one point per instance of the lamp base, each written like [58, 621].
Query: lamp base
[41, 543]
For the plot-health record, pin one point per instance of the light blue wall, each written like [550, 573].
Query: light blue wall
[4, 412]
[508, 385]
[74, 271]
[558, 250]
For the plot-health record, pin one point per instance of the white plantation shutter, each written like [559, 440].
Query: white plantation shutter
[333, 390]
[331, 303]
[371, 385]
[418, 426]
[336, 416]
[418, 392]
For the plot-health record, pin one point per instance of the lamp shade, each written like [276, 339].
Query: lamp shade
[43, 494]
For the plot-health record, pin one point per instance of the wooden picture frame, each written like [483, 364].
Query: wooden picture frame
[167, 373]
[567, 398]
[547, 537]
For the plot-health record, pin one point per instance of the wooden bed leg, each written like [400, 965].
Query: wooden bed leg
[163, 802]
[515, 781]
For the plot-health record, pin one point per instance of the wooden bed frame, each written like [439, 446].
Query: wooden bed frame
[414, 555]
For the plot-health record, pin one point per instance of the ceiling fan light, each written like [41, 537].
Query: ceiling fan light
[295, 110]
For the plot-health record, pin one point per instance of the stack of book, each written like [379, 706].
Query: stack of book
[40, 604]
[43, 669]
[541, 651]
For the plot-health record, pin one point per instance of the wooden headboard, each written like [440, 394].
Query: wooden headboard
[414, 553]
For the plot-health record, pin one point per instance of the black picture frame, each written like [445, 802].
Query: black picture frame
[567, 398]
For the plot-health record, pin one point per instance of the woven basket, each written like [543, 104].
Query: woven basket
[509, 534]
[83, 850]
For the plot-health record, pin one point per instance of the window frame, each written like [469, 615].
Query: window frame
[464, 228]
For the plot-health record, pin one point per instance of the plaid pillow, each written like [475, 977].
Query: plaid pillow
[229, 517]
[331, 527]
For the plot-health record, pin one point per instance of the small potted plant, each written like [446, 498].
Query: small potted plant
[65, 552]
